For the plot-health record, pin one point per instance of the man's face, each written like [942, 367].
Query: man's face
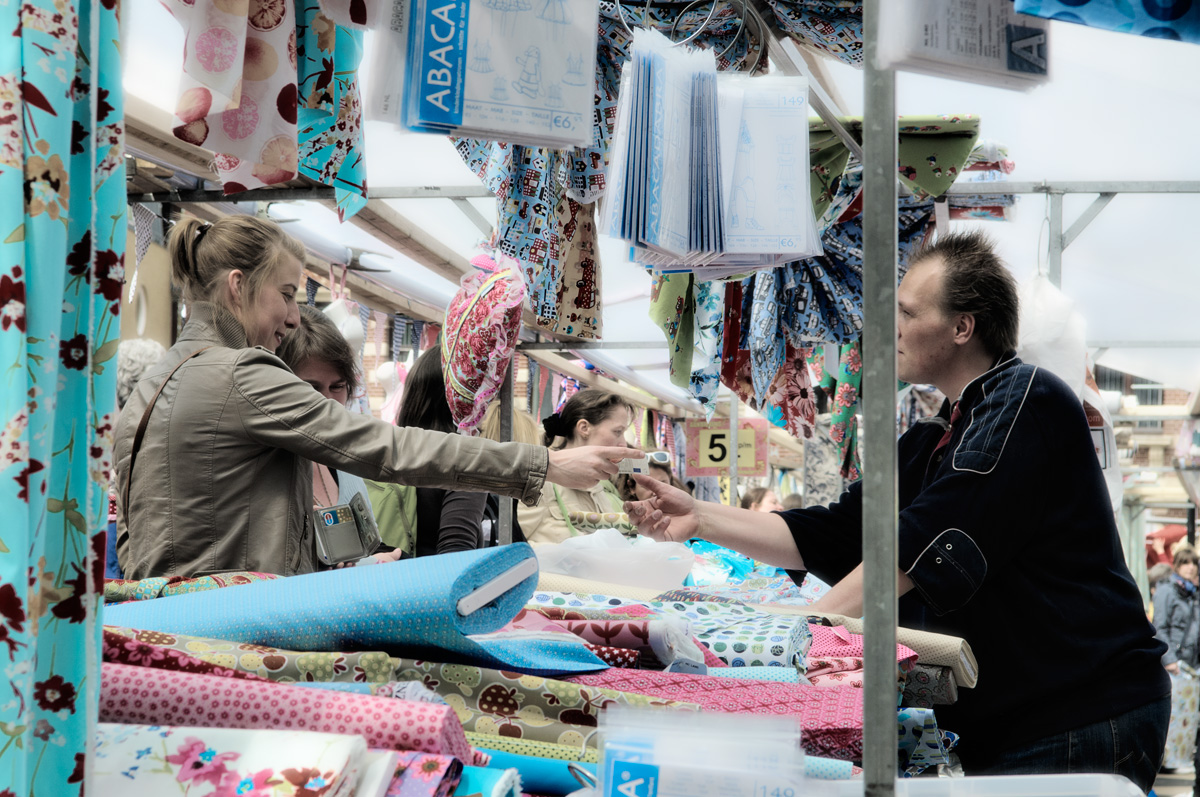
[925, 334]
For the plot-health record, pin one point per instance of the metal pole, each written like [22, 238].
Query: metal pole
[733, 446]
[1056, 239]
[879, 412]
[1191, 525]
[505, 535]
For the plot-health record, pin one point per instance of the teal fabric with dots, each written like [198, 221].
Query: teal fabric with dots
[786, 675]
[407, 607]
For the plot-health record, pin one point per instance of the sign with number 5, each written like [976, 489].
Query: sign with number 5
[710, 447]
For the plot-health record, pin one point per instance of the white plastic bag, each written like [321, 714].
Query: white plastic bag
[1053, 333]
[607, 555]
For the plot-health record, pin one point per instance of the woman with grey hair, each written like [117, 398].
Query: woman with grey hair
[133, 358]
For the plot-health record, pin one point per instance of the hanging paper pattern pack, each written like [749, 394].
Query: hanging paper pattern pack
[330, 118]
[238, 91]
[502, 69]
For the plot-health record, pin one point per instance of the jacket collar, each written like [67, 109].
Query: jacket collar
[212, 324]
[974, 389]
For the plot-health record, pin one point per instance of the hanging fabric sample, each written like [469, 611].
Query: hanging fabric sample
[483, 319]
[62, 263]
[1175, 20]
[672, 310]
[833, 27]
[238, 92]
[330, 117]
[533, 185]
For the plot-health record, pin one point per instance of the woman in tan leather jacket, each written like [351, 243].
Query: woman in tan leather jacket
[221, 480]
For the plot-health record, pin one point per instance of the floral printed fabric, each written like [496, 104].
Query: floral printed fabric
[223, 762]
[922, 744]
[62, 250]
[483, 321]
[1185, 714]
[329, 116]
[425, 775]
[1176, 20]
[140, 694]
[267, 662]
[122, 649]
[709, 301]
[119, 590]
[514, 706]
[237, 96]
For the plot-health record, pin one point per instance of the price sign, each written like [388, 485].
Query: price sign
[710, 447]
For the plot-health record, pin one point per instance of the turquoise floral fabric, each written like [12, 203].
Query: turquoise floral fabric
[62, 249]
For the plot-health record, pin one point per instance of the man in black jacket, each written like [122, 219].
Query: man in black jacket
[1006, 538]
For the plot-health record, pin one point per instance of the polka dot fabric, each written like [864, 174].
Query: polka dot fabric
[409, 605]
[132, 694]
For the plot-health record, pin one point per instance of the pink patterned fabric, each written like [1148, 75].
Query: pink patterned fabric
[836, 642]
[831, 716]
[482, 323]
[237, 96]
[149, 695]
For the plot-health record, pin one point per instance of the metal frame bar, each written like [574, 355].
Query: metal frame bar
[1079, 187]
[880, 490]
[318, 192]
[1088, 216]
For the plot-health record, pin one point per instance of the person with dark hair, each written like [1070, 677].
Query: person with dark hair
[590, 417]
[319, 355]
[427, 520]
[213, 448]
[1006, 535]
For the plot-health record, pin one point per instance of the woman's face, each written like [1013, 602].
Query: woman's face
[1188, 571]
[609, 432]
[769, 503]
[274, 313]
[657, 474]
[325, 379]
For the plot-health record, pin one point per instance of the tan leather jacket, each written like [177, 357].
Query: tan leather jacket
[223, 479]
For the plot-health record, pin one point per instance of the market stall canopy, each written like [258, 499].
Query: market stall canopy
[1103, 116]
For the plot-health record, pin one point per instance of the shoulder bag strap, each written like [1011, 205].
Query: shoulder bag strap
[141, 430]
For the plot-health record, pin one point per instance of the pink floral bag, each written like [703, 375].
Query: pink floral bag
[479, 336]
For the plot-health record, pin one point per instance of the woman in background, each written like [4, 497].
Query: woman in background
[760, 499]
[422, 521]
[590, 417]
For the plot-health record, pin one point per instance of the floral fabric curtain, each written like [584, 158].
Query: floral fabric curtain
[62, 242]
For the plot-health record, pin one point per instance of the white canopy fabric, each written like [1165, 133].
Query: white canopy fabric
[1118, 107]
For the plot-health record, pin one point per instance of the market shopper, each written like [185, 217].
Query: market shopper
[589, 417]
[223, 433]
[427, 520]
[1006, 538]
[761, 499]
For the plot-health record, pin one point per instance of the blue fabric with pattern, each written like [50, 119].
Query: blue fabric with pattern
[1177, 20]
[408, 606]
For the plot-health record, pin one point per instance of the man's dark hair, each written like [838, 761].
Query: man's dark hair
[977, 282]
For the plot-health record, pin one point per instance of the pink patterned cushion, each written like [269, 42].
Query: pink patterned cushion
[478, 339]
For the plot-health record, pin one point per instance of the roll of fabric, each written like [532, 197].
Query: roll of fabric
[409, 606]
[425, 775]
[153, 759]
[481, 782]
[488, 744]
[118, 590]
[132, 694]
[541, 775]
[553, 582]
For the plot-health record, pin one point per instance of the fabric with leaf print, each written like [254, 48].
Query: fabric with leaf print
[425, 775]
[709, 323]
[225, 762]
[273, 663]
[514, 706]
[330, 113]
[237, 96]
[117, 590]
[144, 694]
[62, 248]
